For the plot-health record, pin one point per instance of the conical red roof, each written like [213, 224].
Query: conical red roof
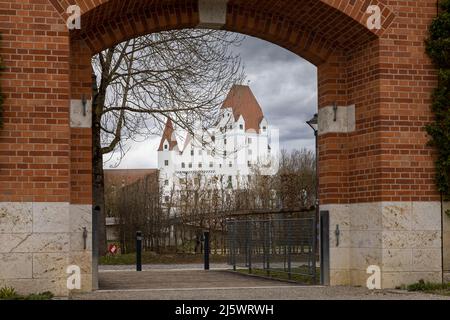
[167, 134]
[242, 101]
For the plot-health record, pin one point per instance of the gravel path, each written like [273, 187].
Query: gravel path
[185, 284]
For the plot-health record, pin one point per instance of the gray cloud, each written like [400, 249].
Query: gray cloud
[284, 84]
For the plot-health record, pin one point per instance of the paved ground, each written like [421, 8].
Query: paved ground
[172, 284]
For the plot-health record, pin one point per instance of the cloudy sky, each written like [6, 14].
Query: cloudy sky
[285, 86]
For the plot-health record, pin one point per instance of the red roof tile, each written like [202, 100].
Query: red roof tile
[167, 134]
[242, 101]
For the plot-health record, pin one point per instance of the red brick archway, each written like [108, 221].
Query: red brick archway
[376, 174]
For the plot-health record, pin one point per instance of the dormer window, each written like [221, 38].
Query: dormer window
[166, 147]
[264, 128]
[241, 126]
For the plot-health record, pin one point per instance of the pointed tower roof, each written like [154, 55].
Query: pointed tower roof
[167, 135]
[243, 103]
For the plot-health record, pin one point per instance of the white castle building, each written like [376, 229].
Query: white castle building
[223, 155]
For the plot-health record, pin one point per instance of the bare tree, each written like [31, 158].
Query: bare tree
[296, 179]
[180, 75]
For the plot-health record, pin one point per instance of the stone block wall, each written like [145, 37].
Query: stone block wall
[446, 241]
[402, 238]
[39, 240]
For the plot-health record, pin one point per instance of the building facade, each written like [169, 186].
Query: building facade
[376, 169]
[223, 156]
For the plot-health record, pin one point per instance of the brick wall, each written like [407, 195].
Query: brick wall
[386, 74]
[35, 140]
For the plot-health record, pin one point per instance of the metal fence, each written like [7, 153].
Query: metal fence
[274, 247]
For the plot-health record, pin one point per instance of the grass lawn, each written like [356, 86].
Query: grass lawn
[152, 258]
[280, 274]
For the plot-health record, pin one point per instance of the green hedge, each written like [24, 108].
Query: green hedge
[438, 49]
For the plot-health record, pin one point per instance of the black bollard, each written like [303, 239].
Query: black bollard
[138, 251]
[206, 249]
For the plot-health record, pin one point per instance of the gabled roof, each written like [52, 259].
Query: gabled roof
[168, 135]
[242, 101]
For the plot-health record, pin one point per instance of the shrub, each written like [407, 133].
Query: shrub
[427, 286]
[438, 49]
[8, 293]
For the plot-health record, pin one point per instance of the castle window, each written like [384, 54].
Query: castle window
[224, 141]
[192, 152]
[230, 164]
[211, 164]
[166, 162]
[199, 164]
[190, 165]
[183, 165]
[249, 140]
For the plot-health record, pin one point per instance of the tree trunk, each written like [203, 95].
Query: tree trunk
[98, 187]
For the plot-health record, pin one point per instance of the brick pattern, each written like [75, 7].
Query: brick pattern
[385, 73]
[35, 140]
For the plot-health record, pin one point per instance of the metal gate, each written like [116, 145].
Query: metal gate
[282, 248]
